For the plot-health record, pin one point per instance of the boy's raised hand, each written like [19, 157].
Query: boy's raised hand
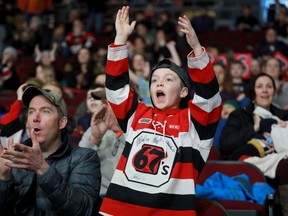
[123, 28]
[191, 36]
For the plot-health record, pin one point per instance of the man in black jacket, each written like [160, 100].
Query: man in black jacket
[44, 175]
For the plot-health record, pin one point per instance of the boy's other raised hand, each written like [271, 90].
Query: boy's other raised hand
[190, 33]
[123, 28]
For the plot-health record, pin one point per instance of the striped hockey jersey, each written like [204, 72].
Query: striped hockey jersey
[165, 150]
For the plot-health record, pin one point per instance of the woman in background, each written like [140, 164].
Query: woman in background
[246, 135]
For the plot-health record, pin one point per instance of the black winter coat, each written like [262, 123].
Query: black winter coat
[70, 186]
[239, 128]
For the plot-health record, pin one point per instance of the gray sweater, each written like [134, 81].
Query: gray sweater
[109, 152]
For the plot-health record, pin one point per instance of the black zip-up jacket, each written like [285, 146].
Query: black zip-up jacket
[239, 128]
[70, 186]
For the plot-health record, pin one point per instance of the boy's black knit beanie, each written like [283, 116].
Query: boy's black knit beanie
[166, 63]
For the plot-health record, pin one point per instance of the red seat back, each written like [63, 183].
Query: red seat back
[214, 153]
[231, 168]
[208, 207]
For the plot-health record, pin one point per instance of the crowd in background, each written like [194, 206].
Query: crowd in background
[35, 45]
[76, 47]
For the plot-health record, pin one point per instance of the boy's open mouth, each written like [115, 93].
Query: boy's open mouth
[160, 94]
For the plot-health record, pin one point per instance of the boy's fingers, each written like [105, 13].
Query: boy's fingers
[125, 12]
[118, 14]
[122, 12]
[133, 24]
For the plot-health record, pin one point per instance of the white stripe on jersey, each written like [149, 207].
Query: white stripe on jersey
[191, 139]
[174, 186]
[198, 62]
[117, 53]
[207, 104]
[118, 96]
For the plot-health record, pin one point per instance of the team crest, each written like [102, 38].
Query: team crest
[151, 159]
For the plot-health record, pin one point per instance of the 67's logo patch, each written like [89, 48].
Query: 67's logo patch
[151, 159]
[148, 159]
